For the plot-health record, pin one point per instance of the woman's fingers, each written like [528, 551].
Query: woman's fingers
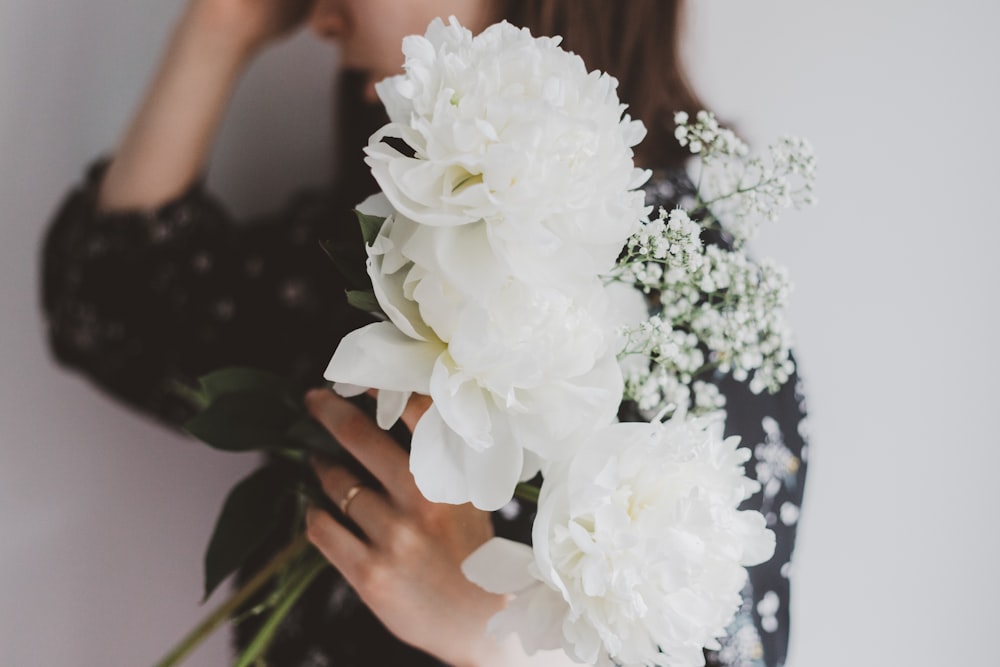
[341, 547]
[363, 505]
[371, 446]
[415, 409]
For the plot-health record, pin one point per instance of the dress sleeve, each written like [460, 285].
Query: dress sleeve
[139, 300]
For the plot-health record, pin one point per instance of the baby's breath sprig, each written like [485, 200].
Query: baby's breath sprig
[725, 315]
[742, 319]
[666, 249]
[717, 311]
[742, 189]
[705, 137]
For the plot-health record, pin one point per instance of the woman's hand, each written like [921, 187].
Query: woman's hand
[406, 567]
[255, 23]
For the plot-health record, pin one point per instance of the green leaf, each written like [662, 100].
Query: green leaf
[250, 513]
[351, 260]
[371, 225]
[233, 379]
[245, 420]
[365, 301]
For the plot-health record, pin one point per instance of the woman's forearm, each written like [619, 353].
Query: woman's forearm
[166, 144]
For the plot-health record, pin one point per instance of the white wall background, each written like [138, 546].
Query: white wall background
[103, 516]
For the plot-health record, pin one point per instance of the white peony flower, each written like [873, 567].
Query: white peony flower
[518, 373]
[639, 549]
[512, 132]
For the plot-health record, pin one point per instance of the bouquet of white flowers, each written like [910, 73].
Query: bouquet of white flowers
[521, 282]
[502, 233]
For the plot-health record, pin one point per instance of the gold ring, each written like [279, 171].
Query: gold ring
[345, 502]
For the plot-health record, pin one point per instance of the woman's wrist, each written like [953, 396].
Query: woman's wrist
[234, 25]
[167, 142]
[231, 41]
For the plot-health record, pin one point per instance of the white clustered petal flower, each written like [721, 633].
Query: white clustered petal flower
[518, 191]
[517, 372]
[639, 548]
[511, 130]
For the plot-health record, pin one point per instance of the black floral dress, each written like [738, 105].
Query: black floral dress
[136, 301]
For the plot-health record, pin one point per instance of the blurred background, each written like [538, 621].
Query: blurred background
[103, 515]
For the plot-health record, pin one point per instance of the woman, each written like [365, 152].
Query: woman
[147, 281]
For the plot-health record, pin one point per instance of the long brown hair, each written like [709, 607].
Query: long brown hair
[636, 41]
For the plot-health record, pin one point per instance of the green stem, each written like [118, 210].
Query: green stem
[192, 395]
[711, 366]
[741, 189]
[266, 634]
[527, 492]
[203, 630]
[293, 455]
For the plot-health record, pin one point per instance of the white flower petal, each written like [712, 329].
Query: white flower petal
[407, 181]
[381, 356]
[536, 616]
[390, 407]
[377, 205]
[500, 566]
[389, 275]
[348, 390]
[532, 465]
[462, 256]
[436, 460]
[447, 470]
[759, 543]
[439, 304]
[557, 414]
[402, 312]
[462, 404]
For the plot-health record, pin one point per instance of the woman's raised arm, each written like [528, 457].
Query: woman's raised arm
[168, 139]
